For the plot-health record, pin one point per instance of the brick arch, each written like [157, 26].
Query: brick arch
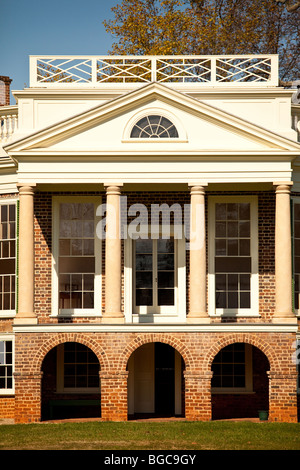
[156, 338]
[242, 338]
[65, 338]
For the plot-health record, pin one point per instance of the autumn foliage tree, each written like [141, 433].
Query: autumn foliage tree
[208, 27]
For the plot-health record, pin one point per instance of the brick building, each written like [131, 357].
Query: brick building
[150, 230]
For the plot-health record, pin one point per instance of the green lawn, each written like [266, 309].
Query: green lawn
[151, 436]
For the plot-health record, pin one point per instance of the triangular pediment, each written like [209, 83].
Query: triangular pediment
[105, 129]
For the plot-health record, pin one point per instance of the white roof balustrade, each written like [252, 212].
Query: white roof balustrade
[94, 71]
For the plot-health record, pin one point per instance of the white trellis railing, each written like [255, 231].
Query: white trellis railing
[8, 122]
[242, 70]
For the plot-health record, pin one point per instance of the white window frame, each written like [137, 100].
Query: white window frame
[12, 313]
[248, 377]
[9, 391]
[60, 377]
[182, 135]
[84, 312]
[254, 280]
[159, 314]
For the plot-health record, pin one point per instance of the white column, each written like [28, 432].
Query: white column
[283, 255]
[113, 279]
[197, 311]
[25, 312]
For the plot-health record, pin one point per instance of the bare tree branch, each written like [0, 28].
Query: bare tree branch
[290, 8]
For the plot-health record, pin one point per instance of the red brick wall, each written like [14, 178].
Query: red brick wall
[114, 349]
[5, 90]
[7, 407]
[43, 246]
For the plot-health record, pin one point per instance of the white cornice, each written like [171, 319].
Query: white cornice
[158, 328]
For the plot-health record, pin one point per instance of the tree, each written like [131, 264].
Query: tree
[290, 7]
[208, 27]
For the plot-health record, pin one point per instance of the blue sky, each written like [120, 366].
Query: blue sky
[53, 27]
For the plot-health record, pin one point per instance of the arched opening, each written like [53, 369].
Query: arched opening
[70, 383]
[155, 382]
[240, 385]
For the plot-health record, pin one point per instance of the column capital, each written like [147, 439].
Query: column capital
[283, 187]
[26, 189]
[197, 190]
[113, 189]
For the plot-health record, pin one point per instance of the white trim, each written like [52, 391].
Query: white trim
[157, 328]
[9, 337]
[6, 201]
[182, 135]
[254, 310]
[97, 310]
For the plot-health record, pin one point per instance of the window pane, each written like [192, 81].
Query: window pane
[143, 262]
[233, 247]
[221, 282]
[165, 297]
[244, 246]
[221, 229]
[77, 265]
[232, 265]
[221, 300]
[244, 229]
[143, 246]
[76, 247]
[220, 246]
[143, 279]
[245, 299]
[165, 279]
[233, 282]
[88, 282]
[144, 297]
[232, 211]
[244, 211]
[165, 261]
[232, 229]
[165, 246]
[221, 212]
[233, 300]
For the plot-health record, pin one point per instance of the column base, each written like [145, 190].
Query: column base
[285, 318]
[198, 318]
[20, 320]
[113, 318]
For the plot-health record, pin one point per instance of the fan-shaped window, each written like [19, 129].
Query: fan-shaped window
[154, 127]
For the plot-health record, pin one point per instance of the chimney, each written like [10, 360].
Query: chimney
[5, 90]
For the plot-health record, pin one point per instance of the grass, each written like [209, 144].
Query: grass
[151, 436]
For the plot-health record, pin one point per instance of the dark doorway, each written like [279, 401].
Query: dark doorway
[164, 379]
[156, 382]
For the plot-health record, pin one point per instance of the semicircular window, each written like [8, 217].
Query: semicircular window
[154, 127]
